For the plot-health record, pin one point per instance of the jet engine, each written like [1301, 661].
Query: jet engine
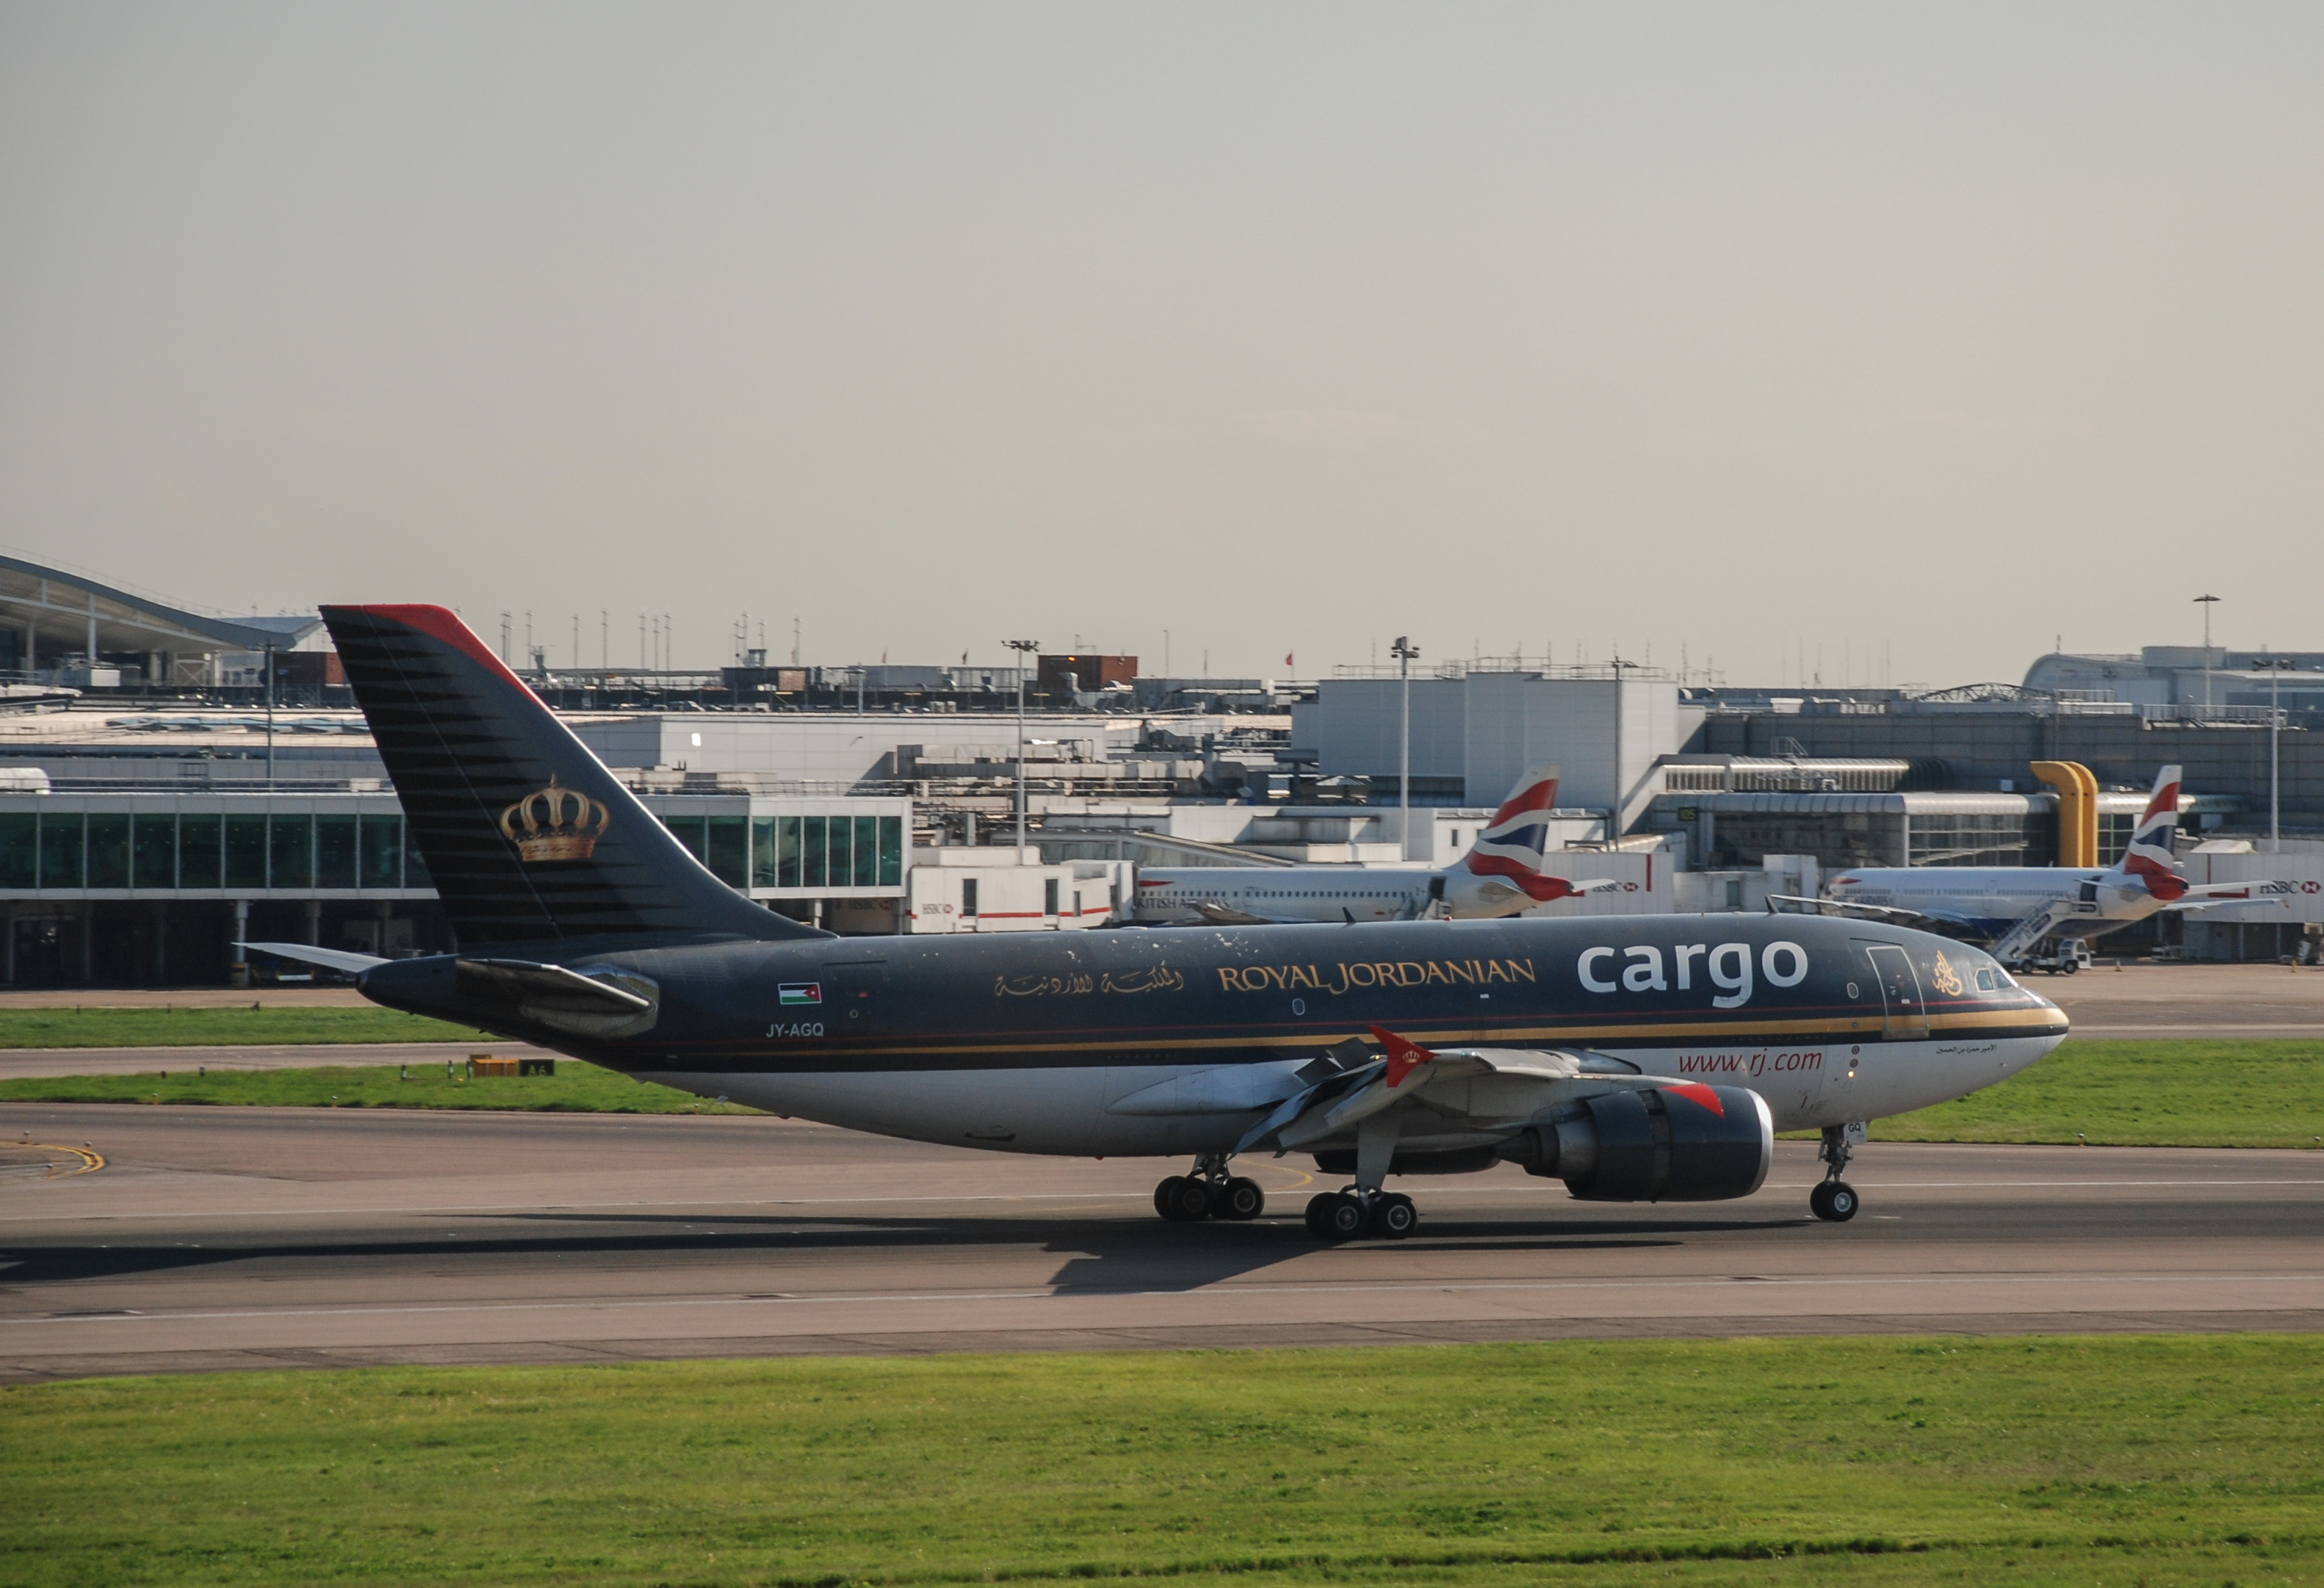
[1688, 1143]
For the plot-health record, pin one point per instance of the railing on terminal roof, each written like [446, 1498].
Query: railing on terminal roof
[2239, 716]
[1789, 776]
[1463, 666]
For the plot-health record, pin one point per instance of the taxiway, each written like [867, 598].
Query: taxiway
[219, 1238]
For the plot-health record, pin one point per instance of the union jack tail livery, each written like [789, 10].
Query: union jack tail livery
[1505, 861]
[2149, 857]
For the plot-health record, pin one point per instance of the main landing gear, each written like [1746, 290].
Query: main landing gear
[1834, 1200]
[1209, 1193]
[1342, 1215]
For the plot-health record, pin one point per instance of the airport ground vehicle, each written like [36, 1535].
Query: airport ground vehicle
[2062, 956]
[1637, 1059]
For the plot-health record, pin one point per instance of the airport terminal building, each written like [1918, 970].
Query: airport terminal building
[174, 783]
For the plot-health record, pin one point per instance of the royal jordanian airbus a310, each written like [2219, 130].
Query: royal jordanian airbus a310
[1637, 1059]
[1503, 873]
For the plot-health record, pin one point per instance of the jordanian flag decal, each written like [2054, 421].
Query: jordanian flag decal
[800, 992]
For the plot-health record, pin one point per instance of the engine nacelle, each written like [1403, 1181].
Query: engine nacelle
[1656, 1145]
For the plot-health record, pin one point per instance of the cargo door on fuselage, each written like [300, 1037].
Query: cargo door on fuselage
[1906, 1012]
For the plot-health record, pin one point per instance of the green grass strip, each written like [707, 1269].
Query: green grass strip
[219, 1027]
[2142, 1094]
[576, 1089]
[2181, 1459]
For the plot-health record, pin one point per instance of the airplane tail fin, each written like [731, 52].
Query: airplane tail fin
[1511, 848]
[527, 836]
[2149, 857]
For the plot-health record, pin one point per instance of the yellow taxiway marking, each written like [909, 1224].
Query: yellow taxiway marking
[90, 1162]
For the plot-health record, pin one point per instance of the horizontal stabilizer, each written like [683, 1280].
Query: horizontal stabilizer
[337, 959]
[525, 981]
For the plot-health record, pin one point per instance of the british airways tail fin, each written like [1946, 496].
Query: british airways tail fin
[526, 835]
[2149, 857]
[1510, 848]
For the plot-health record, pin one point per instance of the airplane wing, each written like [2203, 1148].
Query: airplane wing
[1470, 1092]
[2212, 895]
[1214, 914]
[337, 959]
[1896, 913]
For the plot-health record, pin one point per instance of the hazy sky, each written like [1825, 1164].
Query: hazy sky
[1918, 335]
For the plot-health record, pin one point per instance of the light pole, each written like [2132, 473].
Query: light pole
[1405, 650]
[2207, 602]
[1023, 648]
[2276, 666]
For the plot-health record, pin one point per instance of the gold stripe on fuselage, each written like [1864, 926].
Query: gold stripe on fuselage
[2021, 1022]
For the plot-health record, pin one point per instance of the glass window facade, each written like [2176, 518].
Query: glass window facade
[1998, 838]
[245, 852]
[61, 850]
[729, 842]
[379, 851]
[841, 871]
[335, 852]
[1836, 838]
[789, 847]
[201, 847]
[154, 850]
[108, 849]
[824, 852]
[891, 851]
[20, 849]
[763, 869]
[2114, 835]
[289, 851]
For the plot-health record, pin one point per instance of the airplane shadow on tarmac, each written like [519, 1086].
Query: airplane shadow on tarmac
[1098, 1255]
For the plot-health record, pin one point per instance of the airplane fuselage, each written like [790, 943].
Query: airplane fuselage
[1123, 1043]
[1987, 900]
[1179, 896]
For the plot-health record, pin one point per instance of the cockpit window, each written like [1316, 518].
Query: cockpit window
[1985, 981]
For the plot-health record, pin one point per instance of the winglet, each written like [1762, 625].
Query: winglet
[1403, 1057]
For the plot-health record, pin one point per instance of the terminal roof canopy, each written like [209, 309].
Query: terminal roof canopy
[61, 610]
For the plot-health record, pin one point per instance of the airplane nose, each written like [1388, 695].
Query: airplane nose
[2058, 1024]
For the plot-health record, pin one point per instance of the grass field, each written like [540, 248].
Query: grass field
[218, 1028]
[575, 1088]
[2142, 1094]
[2163, 1460]
[2257, 1094]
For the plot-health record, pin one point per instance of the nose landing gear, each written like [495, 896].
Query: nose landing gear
[1834, 1200]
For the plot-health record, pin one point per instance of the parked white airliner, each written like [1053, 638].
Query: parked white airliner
[2017, 908]
[1502, 874]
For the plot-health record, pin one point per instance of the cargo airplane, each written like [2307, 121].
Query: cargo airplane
[1503, 873]
[2014, 907]
[1637, 1059]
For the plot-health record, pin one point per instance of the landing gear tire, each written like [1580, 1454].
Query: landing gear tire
[1833, 1201]
[1243, 1200]
[1182, 1200]
[1394, 1216]
[1335, 1216]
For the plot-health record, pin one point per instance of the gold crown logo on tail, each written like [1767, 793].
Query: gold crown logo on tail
[555, 823]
